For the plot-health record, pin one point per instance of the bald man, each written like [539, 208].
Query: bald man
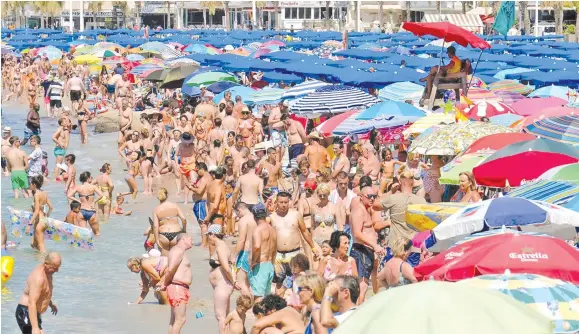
[37, 296]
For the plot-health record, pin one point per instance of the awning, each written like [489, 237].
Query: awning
[466, 21]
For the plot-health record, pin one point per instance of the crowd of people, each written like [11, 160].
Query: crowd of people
[301, 228]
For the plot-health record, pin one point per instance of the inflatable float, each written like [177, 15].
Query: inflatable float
[74, 236]
[7, 263]
[425, 217]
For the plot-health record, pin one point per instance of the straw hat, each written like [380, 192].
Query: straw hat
[314, 135]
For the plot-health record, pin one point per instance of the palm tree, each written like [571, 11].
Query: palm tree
[95, 7]
[123, 7]
[40, 7]
[381, 15]
[138, 7]
[407, 4]
[328, 15]
[16, 8]
[226, 9]
[260, 5]
[558, 8]
[438, 3]
[168, 21]
[211, 6]
[524, 8]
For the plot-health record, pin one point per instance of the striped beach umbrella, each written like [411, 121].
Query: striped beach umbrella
[333, 99]
[478, 94]
[402, 91]
[562, 92]
[428, 122]
[266, 96]
[554, 298]
[510, 86]
[303, 89]
[563, 129]
[556, 192]
[568, 172]
[509, 97]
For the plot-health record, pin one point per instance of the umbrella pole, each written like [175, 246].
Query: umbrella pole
[474, 70]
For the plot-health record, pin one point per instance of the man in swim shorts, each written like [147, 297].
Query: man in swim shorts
[17, 163]
[32, 305]
[199, 189]
[240, 256]
[177, 281]
[264, 248]
[186, 155]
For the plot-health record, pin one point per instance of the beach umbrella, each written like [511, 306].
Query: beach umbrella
[475, 82]
[390, 109]
[427, 122]
[208, 78]
[478, 94]
[476, 153]
[454, 138]
[444, 308]
[512, 86]
[140, 69]
[448, 32]
[553, 298]
[508, 120]
[573, 204]
[402, 91]
[303, 89]
[181, 62]
[266, 96]
[221, 86]
[135, 57]
[568, 172]
[155, 61]
[536, 106]
[333, 99]
[517, 169]
[103, 53]
[176, 75]
[562, 92]
[488, 109]
[535, 145]
[493, 254]
[109, 45]
[89, 59]
[564, 129]
[327, 127]
[556, 192]
[196, 48]
[509, 97]
[260, 52]
[51, 52]
[156, 75]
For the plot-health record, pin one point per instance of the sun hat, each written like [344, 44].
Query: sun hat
[214, 229]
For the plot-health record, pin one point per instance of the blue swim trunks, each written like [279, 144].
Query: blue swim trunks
[242, 261]
[59, 151]
[200, 210]
[260, 278]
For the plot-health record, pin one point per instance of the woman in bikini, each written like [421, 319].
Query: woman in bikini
[147, 150]
[245, 127]
[41, 208]
[415, 166]
[339, 263]
[166, 225]
[152, 269]
[31, 91]
[325, 216]
[431, 185]
[221, 274]
[86, 196]
[467, 192]
[84, 115]
[105, 184]
[397, 271]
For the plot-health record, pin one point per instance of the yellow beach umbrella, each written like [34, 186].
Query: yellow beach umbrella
[89, 59]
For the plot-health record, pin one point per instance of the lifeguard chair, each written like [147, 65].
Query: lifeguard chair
[456, 81]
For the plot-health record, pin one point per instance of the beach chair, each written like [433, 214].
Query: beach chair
[455, 81]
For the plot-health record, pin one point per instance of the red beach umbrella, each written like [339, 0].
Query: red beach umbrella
[518, 252]
[497, 141]
[488, 109]
[327, 127]
[448, 31]
[517, 169]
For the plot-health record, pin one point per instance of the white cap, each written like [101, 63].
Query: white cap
[7, 129]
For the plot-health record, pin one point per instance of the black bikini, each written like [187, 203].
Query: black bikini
[171, 235]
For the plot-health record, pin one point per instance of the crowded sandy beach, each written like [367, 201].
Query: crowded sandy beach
[262, 181]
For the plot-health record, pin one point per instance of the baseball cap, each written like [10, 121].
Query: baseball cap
[214, 229]
[259, 210]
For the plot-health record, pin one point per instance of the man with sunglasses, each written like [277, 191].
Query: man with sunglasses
[365, 237]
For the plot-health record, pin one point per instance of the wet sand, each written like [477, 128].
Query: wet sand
[92, 289]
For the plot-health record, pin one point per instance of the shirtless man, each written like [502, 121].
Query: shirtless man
[263, 252]
[369, 162]
[250, 185]
[70, 175]
[123, 89]
[199, 189]
[238, 107]
[316, 153]
[365, 237]
[290, 228]
[186, 154]
[130, 146]
[230, 123]
[177, 280]
[17, 164]
[125, 120]
[296, 138]
[201, 126]
[341, 162]
[216, 133]
[240, 256]
[216, 197]
[37, 295]
[61, 139]
[75, 86]
[274, 171]
[111, 86]
[184, 125]
[6, 134]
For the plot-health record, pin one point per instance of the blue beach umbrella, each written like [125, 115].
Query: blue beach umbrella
[388, 109]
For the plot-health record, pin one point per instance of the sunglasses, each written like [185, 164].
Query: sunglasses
[303, 288]
[245, 113]
[371, 196]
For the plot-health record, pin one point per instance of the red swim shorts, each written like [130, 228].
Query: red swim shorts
[177, 293]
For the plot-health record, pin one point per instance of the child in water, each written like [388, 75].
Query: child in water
[117, 208]
[235, 321]
[73, 216]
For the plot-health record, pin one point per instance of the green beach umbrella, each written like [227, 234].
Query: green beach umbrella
[156, 75]
[174, 76]
[449, 174]
[208, 78]
[568, 172]
[433, 307]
